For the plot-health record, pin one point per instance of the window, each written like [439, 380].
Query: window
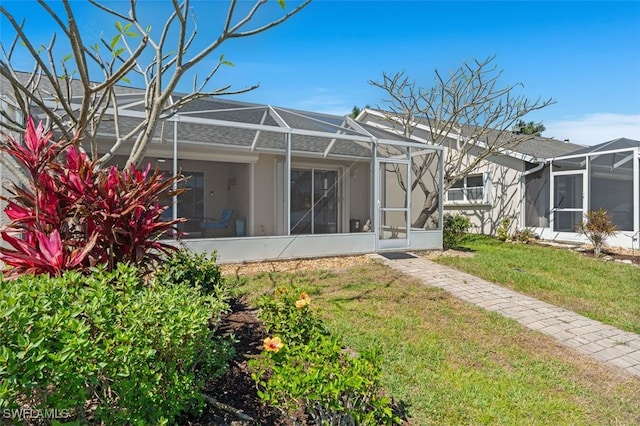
[474, 189]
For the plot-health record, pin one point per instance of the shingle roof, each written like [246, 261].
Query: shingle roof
[545, 148]
[615, 144]
[537, 147]
[213, 121]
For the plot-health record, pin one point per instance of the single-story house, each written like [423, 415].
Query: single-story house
[273, 183]
[542, 184]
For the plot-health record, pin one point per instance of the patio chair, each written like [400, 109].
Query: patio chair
[222, 227]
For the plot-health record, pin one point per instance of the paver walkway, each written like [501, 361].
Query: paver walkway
[600, 341]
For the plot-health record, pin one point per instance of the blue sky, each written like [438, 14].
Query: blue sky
[585, 55]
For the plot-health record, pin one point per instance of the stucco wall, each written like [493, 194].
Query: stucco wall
[505, 200]
[360, 192]
[265, 196]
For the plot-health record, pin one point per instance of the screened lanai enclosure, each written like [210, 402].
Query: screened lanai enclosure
[605, 176]
[275, 183]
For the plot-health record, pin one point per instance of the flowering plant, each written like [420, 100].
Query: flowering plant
[303, 301]
[272, 344]
[314, 372]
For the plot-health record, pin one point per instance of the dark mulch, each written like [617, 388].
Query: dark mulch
[236, 388]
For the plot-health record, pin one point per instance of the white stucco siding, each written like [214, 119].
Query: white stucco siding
[265, 197]
[503, 177]
[359, 192]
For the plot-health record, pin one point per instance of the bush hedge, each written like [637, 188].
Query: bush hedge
[108, 346]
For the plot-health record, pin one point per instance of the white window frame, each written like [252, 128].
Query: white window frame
[486, 191]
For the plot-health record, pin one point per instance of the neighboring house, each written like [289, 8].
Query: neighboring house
[290, 183]
[542, 184]
[604, 176]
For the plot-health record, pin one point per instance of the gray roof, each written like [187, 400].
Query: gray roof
[616, 144]
[545, 148]
[537, 147]
[214, 121]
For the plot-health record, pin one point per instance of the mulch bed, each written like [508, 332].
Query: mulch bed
[236, 388]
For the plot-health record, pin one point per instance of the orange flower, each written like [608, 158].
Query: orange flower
[303, 301]
[273, 344]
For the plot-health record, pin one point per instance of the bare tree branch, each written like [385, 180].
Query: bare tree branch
[466, 111]
[66, 93]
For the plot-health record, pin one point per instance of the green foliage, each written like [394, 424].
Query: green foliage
[597, 226]
[529, 128]
[140, 353]
[450, 363]
[454, 228]
[502, 232]
[193, 270]
[304, 366]
[281, 316]
[520, 236]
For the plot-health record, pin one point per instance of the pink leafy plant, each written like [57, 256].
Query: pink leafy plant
[75, 215]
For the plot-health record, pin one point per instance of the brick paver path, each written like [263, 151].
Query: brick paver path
[600, 341]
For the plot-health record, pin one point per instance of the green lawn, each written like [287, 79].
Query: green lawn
[604, 291]
[455, 364]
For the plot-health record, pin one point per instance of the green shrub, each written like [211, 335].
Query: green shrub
[454, 228]
[107, 345]
[193, 270]
[304, 367]
[502, 232]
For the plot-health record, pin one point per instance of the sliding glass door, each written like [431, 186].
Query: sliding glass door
[314, 201]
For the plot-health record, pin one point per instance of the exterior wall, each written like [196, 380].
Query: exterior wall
[6, 176]
[6, 179]
[264, 214]
[229, 185]
[226, 185]
[505, 199]
[248, 249]
[359, 193]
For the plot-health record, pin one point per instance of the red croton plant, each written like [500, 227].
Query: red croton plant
[75, 215]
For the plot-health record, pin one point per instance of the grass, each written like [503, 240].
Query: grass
[452, 363]
[604, 291]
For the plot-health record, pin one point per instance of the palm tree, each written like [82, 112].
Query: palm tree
[530, 128]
